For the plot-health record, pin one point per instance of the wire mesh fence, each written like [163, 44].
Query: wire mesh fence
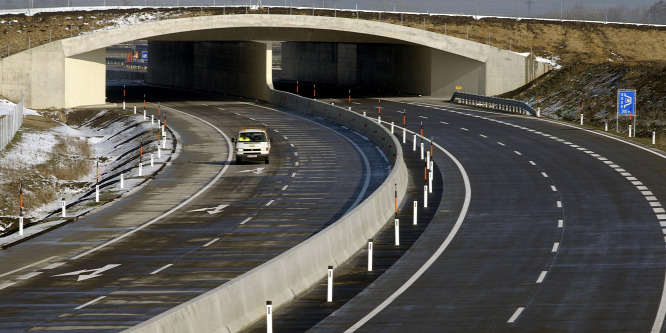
[10, 124]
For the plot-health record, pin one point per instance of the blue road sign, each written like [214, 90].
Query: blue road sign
[144, 55]
[626, 102]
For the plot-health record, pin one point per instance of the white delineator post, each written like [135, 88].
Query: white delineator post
[21, 225]
[370, 243]
[152, 119]
[404, 135]
[654, 137]
[144, 114]
[329, 294]
[392, 127]
[379, 119]
[269, 317]
[581, 119]
[140, 169]
[422, 151]
[122, 180]
[97, 193]
[428, 159]
[414, 145]
[414, 216]
[397, 231]
[159, 151]
[152, 159]
[629, 130]
[425, 196]
[64, 208]
[135, 109]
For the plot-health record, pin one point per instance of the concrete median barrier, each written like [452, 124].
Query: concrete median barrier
[242, 300]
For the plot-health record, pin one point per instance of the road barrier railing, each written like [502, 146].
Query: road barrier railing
[10, 124]
[242, 301]
[494, 103]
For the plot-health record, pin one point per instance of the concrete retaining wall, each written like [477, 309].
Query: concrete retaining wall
[242, 300]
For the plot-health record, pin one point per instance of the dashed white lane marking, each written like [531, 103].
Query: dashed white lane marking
[464, 129]
[532, 162]
[211, 242]
[636, 182]
[631, 178]
[276, 131]
[501, 144]
[646, 192]
[542, 276]
[560, 223]
[89, 303]
[28, 276]
[661, 217]
[285, 187]
[516, 315]
[483, 136]
[270, 203]
[659, 210]
[296, 164]
[626, 174]
[6, 285]
[162, 268]
[650, 198]
[296, 153]
[642, 188]
[559, 204]
[553, 188]
[292, 145]
[556, 246]
[423, 117]
[545, 175]
[27, 266]
[54, 265]
[293, 175]
[655, 204]
[246, 220]
[443, 122]
[517, 152]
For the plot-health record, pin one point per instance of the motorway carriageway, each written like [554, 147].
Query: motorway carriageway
[200, 223]
[563, 231]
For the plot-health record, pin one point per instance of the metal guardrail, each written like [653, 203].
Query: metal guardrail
[494, 103]
[10, 124]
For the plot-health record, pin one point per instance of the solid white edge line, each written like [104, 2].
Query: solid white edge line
[54, 265]
[89, 303]
[172, 210]
[211, 242]
[6, 285]
[161, 269]
[27, 266]
[433, 258]
[542, 276]
[516, 315]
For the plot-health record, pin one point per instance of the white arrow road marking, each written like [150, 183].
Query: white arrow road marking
[210, 210]
[257, 171]
[93, 272]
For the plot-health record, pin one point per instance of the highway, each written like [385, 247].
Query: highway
[197, 225]
[562, 232]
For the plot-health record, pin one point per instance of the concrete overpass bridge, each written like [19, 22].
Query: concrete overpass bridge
[228, 53]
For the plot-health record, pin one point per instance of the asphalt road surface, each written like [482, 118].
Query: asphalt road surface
[563, 232]
[197, 225]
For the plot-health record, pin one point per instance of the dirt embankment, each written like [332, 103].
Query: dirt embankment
[597, 58]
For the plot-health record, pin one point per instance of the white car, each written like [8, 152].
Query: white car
[252, 144]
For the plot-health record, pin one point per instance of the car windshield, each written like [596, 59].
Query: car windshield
[251, 137]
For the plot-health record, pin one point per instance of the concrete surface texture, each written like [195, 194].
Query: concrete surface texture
[296, 270]
[80, 82]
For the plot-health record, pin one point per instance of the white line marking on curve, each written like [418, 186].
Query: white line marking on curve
[559, 204]
[516, 315]
[195, 195]
[532, 162]
[246, 220]
[501, 144]
[27, 266]
[211, 242]
[560, 223]
[556, 246]
[6, 285]
[545, 175]
[483, 136]
[517, 152]
[161, 269]
[542, 276]
[270, 203]
[89, 303]
[552, 187]
[285, 187]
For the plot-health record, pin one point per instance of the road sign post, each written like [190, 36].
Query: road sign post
[626, 105]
